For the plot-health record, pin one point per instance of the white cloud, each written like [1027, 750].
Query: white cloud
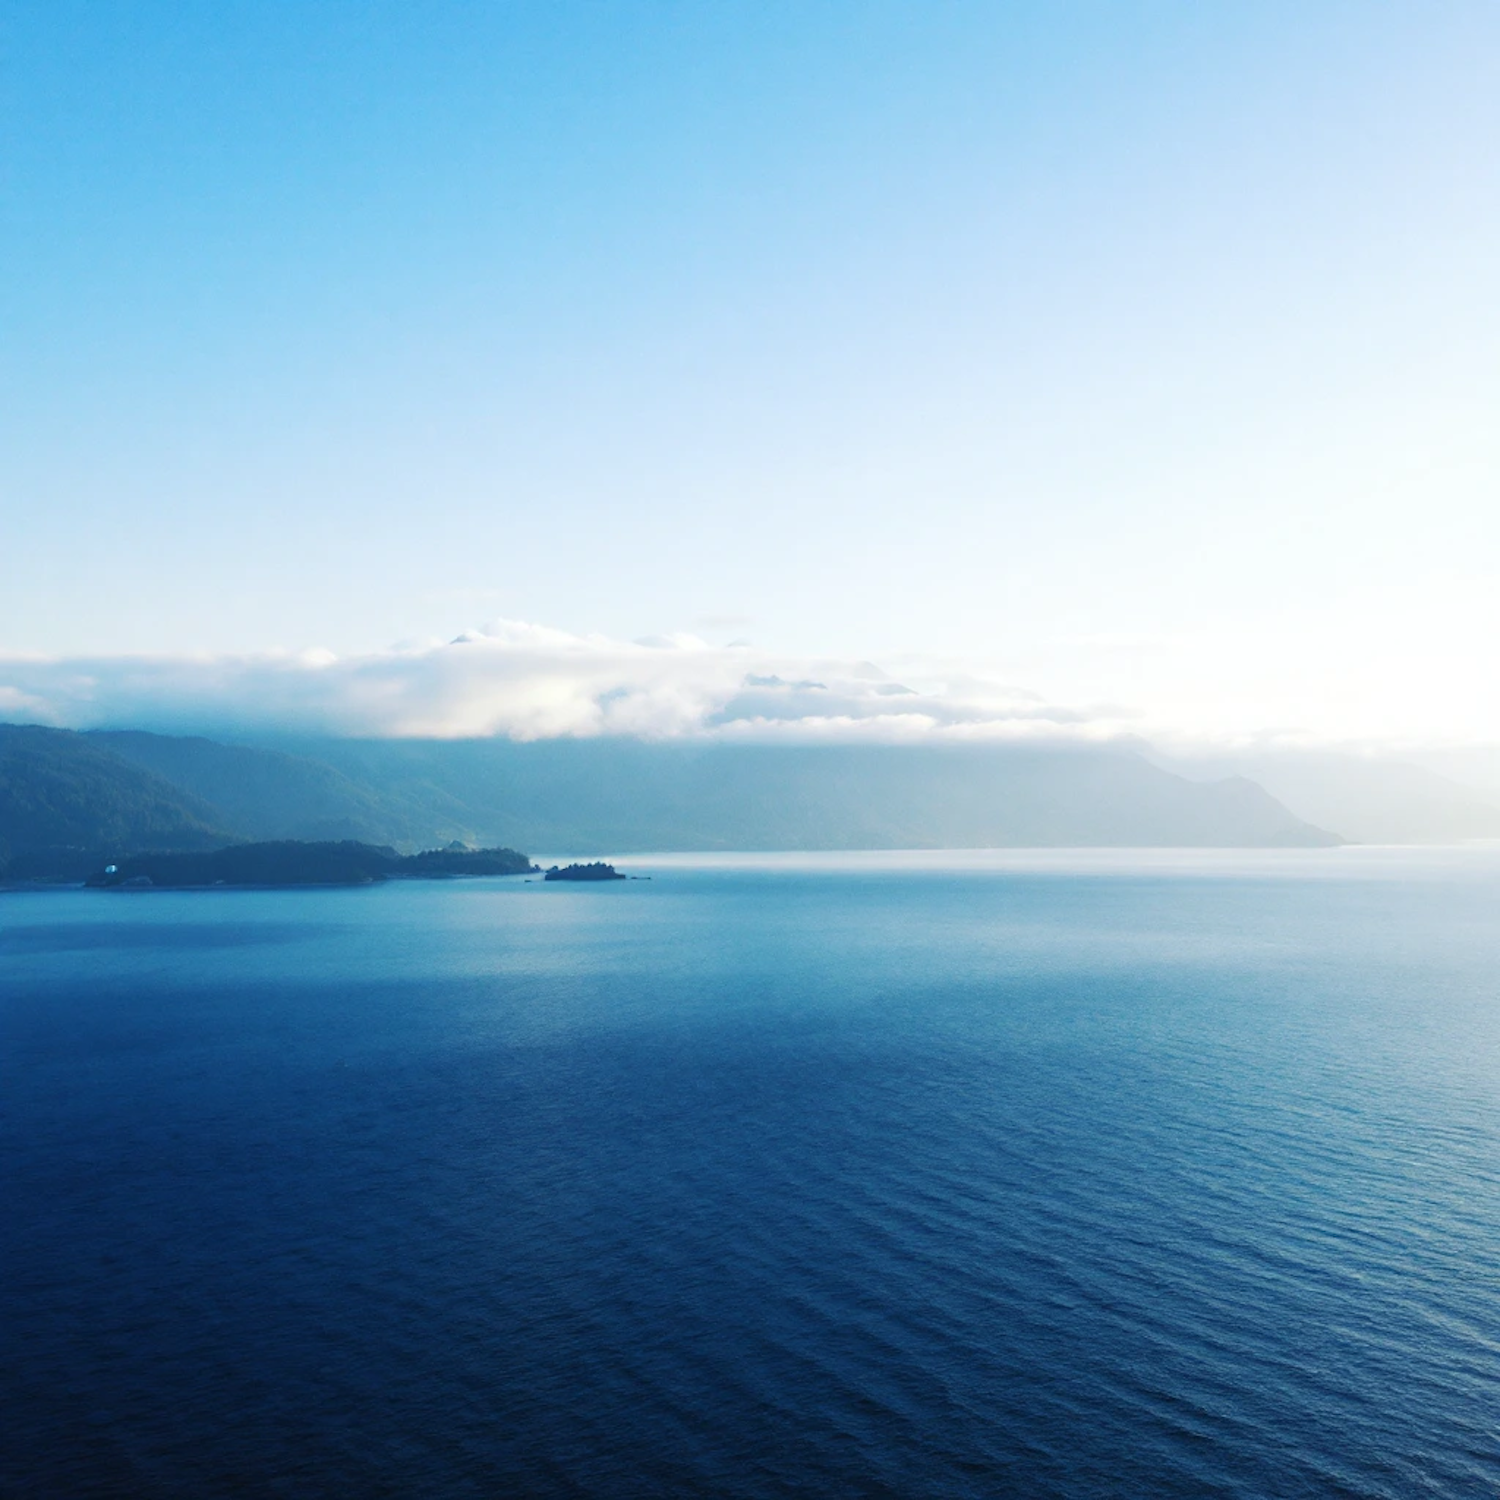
[528, 681]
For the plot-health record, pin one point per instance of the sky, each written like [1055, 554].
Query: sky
[1137, 361]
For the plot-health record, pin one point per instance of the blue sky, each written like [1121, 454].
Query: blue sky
[1144, 355]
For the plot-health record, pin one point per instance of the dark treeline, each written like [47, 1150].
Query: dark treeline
[292, 862]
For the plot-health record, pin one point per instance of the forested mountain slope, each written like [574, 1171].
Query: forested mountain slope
[65, 801]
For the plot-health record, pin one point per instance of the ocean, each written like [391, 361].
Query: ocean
[1033, 1174]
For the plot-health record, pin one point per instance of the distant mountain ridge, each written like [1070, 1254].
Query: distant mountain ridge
[585, 795]
[1371, 800]
[71, 801]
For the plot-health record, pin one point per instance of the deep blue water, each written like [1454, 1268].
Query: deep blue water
[911, 1177]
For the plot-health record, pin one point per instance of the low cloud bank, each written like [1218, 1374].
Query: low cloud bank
[528, 682]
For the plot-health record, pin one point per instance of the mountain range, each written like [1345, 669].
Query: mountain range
[69, 799]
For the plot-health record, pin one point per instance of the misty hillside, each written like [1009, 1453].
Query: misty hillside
[576, 796]
[266, 794]
[1367, 800]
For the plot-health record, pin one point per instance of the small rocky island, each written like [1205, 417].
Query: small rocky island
[596, 871]
[292, 863]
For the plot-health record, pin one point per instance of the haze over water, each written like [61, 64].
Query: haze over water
[1036, 1174]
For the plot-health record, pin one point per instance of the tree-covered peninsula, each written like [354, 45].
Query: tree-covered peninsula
[290, 862]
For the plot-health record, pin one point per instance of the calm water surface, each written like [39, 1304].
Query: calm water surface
[887, 1176]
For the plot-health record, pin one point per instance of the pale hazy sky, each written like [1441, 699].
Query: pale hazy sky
[1145, 356]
